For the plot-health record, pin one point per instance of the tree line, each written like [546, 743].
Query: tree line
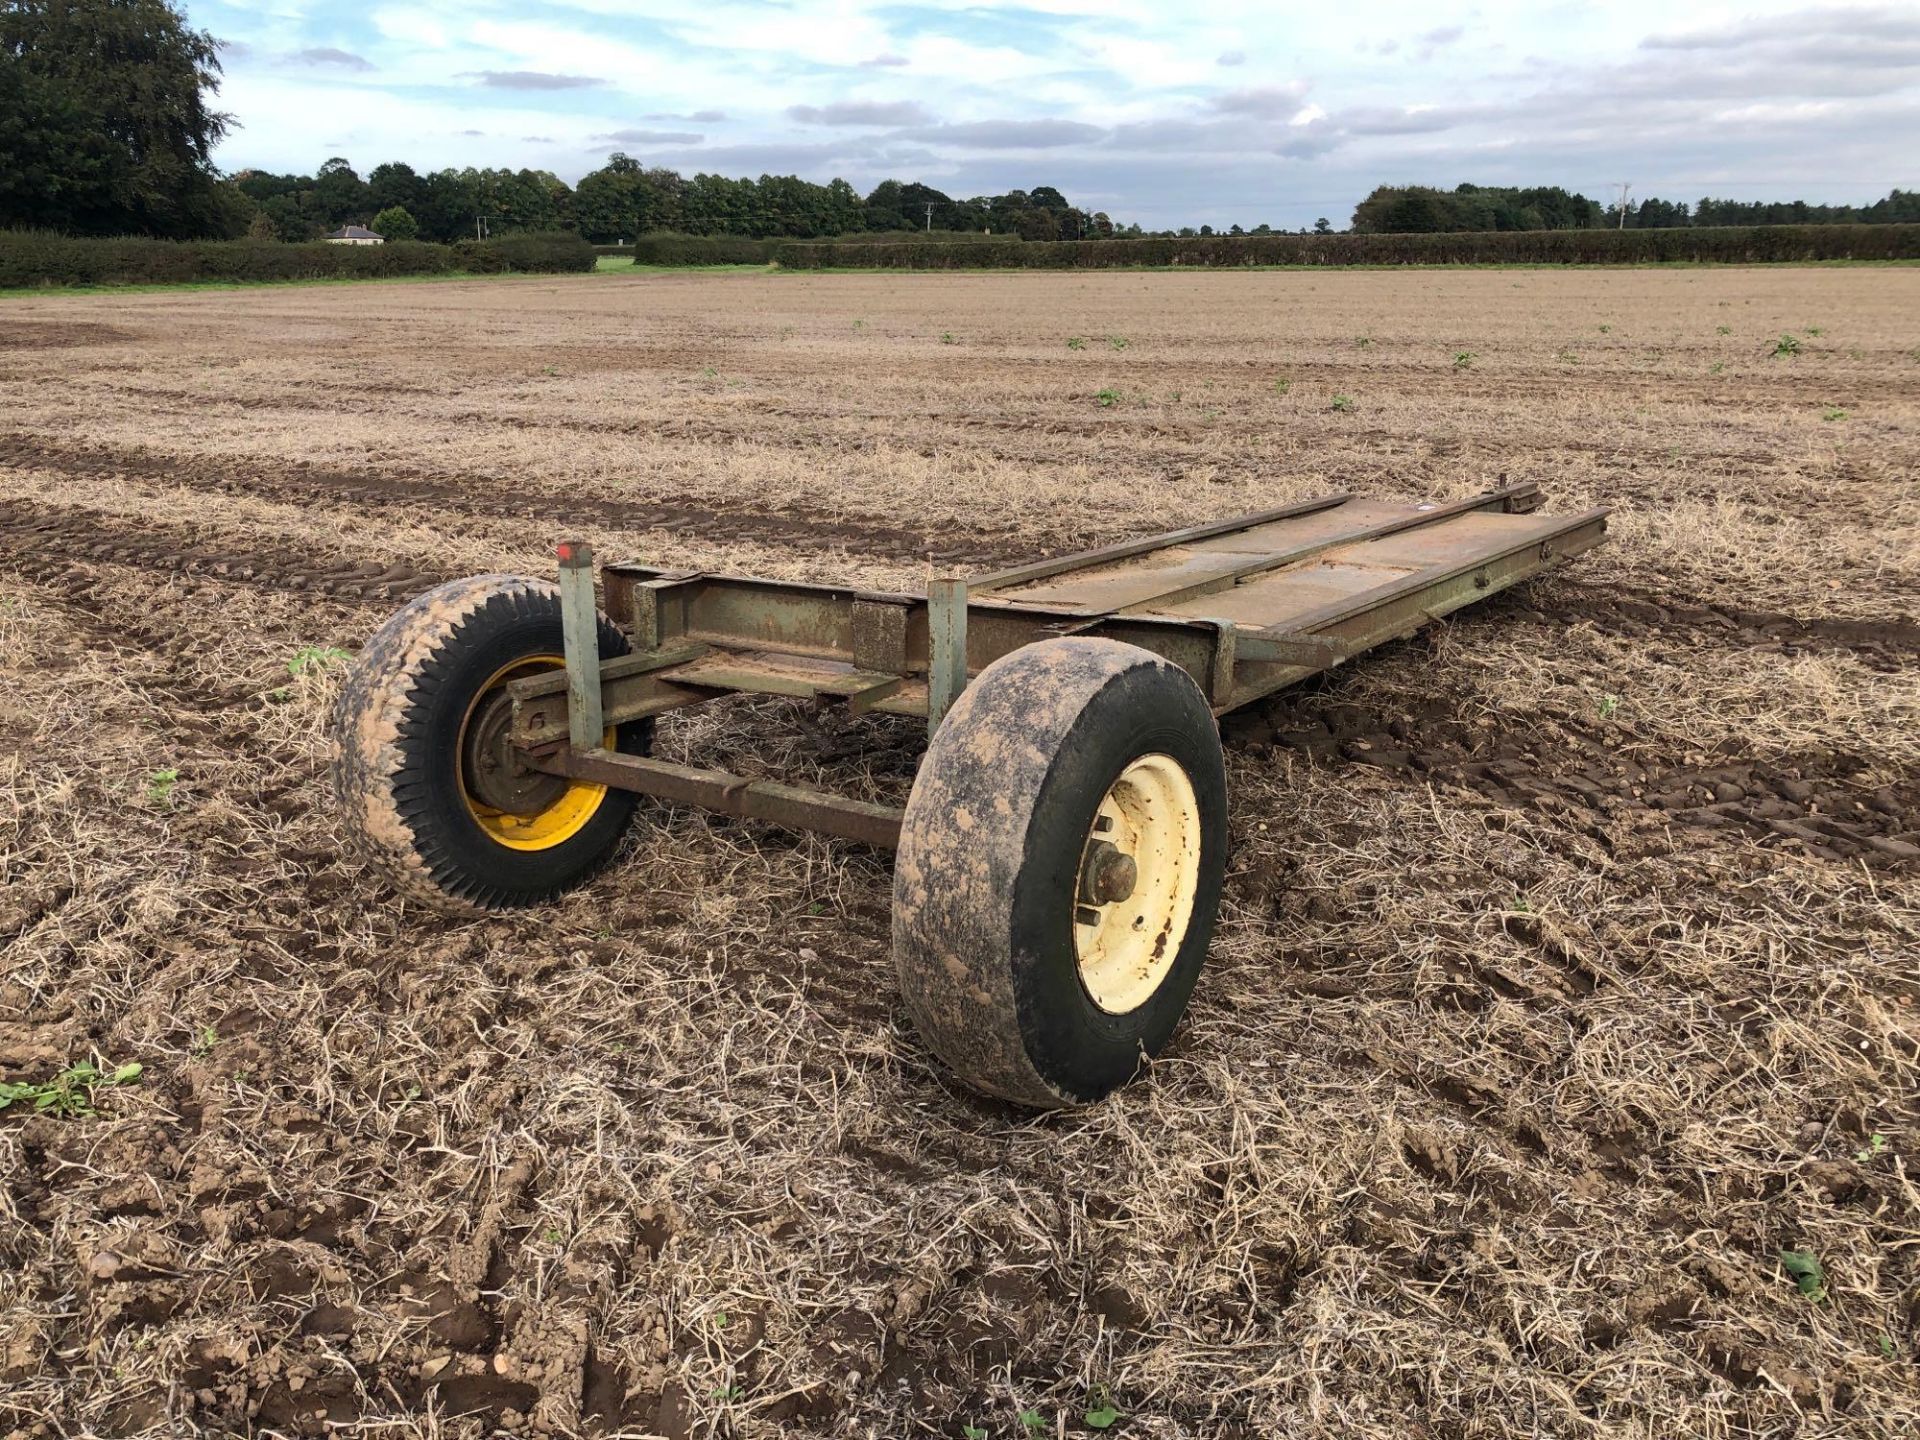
[624, 199]
[1898, 207]
[1424, 210]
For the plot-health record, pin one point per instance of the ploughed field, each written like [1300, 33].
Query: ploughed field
[1566, 974]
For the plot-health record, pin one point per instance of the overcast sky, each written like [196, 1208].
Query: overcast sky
[1210, 111]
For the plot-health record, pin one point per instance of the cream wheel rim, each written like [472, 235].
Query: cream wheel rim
[1126, 936]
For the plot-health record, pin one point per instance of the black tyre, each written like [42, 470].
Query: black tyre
[426, 784]
[1059, 870]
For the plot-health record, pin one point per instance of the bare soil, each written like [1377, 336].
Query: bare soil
[1566, 976]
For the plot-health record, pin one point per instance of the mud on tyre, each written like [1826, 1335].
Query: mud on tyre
[427, 783]
[1059, 869]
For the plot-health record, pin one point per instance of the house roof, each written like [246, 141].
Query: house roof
[354, 232]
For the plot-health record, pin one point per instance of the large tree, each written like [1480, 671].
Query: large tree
[396, 184]
[109, 101]
[340, 195]
[395, 223]
[623, 200]
[59, 171]
[1402, 209]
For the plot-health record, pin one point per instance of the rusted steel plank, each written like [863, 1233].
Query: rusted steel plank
[1501, 499]
[543, 720]
[946, 646]
[792, 806]
[1085, 559]
[771, 673]
[1399, 607]
[880, 635]
[631, 688]
[1309, 651]
[743, 613]
[1163, 578]
[909, 699]
[1545, 542]
[1226, 650]
[580, 639]
[815, 625]
[861, 701]
[1347, 575]
[846, 683]
[554, 682]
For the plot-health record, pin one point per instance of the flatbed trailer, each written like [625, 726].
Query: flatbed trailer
[1061, 854]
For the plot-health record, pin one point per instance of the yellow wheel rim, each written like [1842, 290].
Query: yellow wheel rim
[1126, 946]
[552, 824]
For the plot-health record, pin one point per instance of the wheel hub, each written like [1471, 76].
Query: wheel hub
[492, 766]
[1139, 871]
[1108, 875]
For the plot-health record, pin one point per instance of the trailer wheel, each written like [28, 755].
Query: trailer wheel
[1059, 868]
[422, 769]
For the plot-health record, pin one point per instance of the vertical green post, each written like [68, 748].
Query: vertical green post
[580, 637]
[946, 646]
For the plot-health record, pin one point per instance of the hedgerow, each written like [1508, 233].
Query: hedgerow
[546, 252]
[43, 258]
[667, 248]
[1728, 245]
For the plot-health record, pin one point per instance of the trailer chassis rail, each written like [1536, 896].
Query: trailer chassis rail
[700, 635]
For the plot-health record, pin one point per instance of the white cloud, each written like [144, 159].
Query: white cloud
[972, 65]
[861, 112]
[413, 27]
[1157, 113]
[835, 33]
[1009, 134]
[1262, 100]
[553, 50]
[532, 80]
[651, 137]
[1149, 64]
[329, 55]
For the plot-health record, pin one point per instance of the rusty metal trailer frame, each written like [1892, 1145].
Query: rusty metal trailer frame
[1183, 596]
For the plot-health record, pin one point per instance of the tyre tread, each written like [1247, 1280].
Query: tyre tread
[379, 736]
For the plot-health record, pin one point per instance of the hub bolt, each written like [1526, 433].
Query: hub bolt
[1109, 874]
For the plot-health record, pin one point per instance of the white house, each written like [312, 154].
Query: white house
[355, 235]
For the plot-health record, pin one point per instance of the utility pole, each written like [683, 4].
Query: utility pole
[1626, 189]
[929, 217]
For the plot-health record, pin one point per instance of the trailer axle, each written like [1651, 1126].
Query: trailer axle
[793, 806]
